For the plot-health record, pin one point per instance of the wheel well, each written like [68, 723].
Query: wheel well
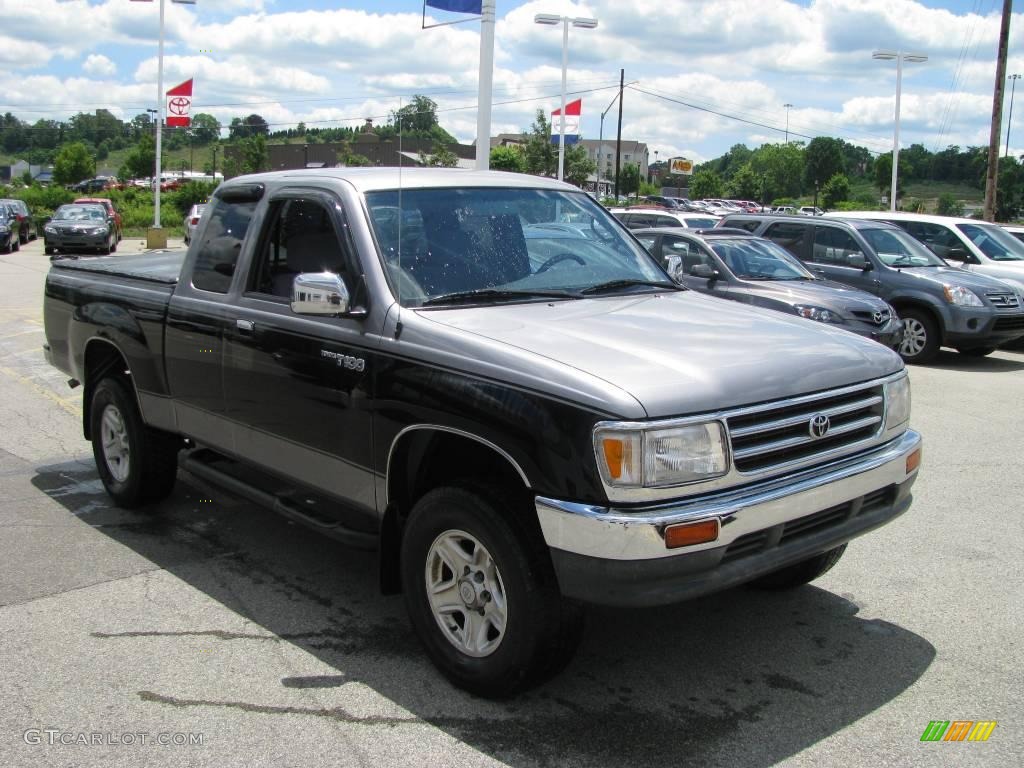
[902, 306]
[102, 360]
[425, 459]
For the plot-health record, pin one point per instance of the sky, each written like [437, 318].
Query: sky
[703, 75]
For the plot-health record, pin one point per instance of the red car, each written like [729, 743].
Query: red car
[111, 211]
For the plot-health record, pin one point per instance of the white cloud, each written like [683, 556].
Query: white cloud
[98, 64]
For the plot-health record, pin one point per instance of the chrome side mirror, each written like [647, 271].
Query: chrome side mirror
[319, 293]
[674, 267]
[704, 270]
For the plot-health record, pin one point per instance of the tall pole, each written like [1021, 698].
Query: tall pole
[788, 107]
[1013, 87]
[486, 77]
[561, 113]
[992, 175]
[896, 132]
[159, 119]
[600, 135]
[618, 136]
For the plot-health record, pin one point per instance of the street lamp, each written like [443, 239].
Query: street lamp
[565, 21]
[900, 57]
[1013, 86]
[787, 107]
[215, 147]
[600, 135]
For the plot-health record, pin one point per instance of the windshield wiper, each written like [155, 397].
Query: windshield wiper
[493, 294]
[614, 285]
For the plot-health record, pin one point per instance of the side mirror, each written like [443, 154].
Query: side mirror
[857, 261]
[319, 293]
[704, 270]
[674, 267]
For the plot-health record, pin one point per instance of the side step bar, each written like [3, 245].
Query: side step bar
[201, 462]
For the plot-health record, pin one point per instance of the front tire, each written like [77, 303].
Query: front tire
[801, 573]
[920, 337]
[137, 464]
[482, 594]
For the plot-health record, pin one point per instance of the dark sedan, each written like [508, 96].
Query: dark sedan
[8, 229]
[736, 265]
[79, 227]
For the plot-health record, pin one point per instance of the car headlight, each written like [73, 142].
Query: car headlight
[897, 399]
[634, 457]
[960, 296]
[820, 314]
[98, 231]
[51, 230]
[4, 229]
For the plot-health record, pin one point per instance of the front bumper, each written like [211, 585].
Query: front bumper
[975, 328]
[890, 334]
[69, 241]
[618, 556]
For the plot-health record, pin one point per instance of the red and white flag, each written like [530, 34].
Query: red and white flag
[179, 104]
[572, 118]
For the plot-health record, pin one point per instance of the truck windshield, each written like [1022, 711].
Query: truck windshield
[507, 244]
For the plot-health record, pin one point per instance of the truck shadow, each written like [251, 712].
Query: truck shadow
[742, 678]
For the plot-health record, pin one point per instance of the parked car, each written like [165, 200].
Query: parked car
[112, 213]
[732, 264]
[1015, 230]
[785, 210]
[977, 246]
[76, 227]
[810, 210]
[940, 305]
[8, 229]
[514, 424]
[665, 202]
[192, 220]
[641, 218]
[21, 210]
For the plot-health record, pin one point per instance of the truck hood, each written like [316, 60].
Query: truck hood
[679, 353]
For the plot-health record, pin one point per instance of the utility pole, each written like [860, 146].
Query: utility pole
[992, 175]
[618, 138]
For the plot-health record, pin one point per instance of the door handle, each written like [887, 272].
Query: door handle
[245, 327]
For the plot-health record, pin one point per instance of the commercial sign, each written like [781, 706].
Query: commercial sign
[680, 166]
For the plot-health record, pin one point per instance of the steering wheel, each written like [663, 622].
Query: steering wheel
[559, 257]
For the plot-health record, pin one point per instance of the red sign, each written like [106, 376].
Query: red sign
[179, 103]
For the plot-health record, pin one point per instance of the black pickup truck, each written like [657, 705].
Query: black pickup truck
[486, 379]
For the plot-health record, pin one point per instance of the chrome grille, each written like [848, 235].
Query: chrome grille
[782, 434]
[876, 317]
[1003, 300]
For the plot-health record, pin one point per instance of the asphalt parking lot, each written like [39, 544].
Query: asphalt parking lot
[242, 639]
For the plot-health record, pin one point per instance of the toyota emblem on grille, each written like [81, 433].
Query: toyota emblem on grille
[819, 425]
[879, 317]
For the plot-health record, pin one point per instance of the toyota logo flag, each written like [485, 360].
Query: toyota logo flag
[179, 104]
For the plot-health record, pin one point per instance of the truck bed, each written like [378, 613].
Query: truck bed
[154, 266]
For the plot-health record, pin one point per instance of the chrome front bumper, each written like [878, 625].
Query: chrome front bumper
[638, 534]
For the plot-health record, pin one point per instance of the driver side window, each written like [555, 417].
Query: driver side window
[832, 246]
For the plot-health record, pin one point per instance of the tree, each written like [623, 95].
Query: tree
[836, 190]
[441, 157]
[781, 168]
[705, 183]
[948, 205]
[823, 159]
[204, 129]
[418, 116]
[253, 154]
[349, 158]
[73, 163]
[1010, 189]
[578, 166]
[744, 185]
[629, 179]
[540, 154]
[243, 128]
[141, 161]
[508, 159]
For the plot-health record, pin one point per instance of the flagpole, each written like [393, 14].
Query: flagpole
[488, 11]
[159, 120]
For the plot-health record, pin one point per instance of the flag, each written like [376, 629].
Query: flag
[179, 103]
[457, 6]
[572, 122]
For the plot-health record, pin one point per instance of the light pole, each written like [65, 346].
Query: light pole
[788, 107]
[600, 134]
[215, 163]
[900, 57]
[565, 21]
[1013, 86]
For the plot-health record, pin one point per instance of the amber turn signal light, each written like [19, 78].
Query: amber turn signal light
[688, 534]
[913, 461]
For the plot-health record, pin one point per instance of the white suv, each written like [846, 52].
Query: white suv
[811, 210]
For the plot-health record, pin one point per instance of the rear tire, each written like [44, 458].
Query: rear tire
[801, 573]
[920, 337]
[137, 464]
[482, 594]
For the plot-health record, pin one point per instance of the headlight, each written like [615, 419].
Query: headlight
[4, 229]
[98, 231]
[960, 296]
[820, 314]
[650, 458]
[897, 399]
[51, 230]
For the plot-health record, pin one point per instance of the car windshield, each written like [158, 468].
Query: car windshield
[501, 244]
[80, 213]
[995, 242]
[751, 259]
[898, 249]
